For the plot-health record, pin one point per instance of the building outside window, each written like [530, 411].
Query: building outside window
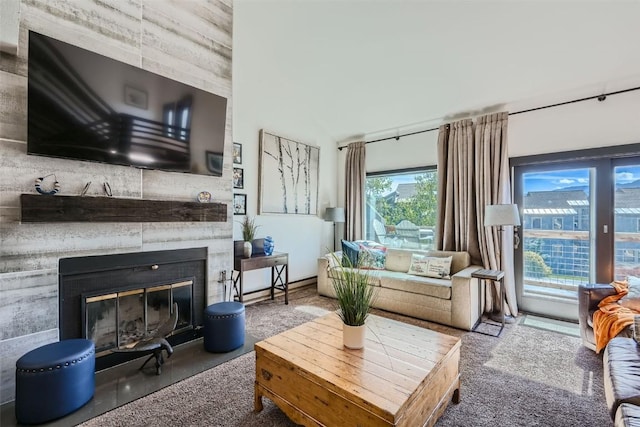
[629, 255]
[536, 223]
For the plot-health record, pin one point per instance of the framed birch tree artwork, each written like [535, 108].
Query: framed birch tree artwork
[289, 173]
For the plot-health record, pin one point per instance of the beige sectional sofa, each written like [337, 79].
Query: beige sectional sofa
[453, 302]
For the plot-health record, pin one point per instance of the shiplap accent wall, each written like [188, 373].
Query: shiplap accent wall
[187, 41]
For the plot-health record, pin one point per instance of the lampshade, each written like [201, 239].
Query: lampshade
[501, 215]
[334, 214]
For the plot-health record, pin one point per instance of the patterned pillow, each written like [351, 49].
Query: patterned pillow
[438, 267]
[372, 258]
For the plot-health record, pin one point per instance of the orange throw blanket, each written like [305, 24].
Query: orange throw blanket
[611, 318]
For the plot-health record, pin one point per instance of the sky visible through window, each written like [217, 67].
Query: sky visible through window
[577, 179]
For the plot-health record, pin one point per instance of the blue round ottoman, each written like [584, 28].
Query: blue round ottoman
[54, 380]
[223, 326]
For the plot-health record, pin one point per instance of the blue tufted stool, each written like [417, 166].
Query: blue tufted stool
[54, 380]
[223, 326]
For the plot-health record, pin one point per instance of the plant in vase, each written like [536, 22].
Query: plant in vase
[355, 297]
[249, 228]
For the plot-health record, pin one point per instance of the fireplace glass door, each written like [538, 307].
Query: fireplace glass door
[121, 319]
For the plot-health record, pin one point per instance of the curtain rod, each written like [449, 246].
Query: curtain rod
[600, 98]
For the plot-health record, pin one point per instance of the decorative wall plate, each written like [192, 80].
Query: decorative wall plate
[204, 197]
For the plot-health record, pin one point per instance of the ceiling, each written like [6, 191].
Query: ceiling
[377, 68]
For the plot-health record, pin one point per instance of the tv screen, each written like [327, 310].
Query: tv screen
[86, 106]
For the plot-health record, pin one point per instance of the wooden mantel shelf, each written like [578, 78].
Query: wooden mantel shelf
[42, 208]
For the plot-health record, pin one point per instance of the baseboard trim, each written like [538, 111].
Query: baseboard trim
[265, 294]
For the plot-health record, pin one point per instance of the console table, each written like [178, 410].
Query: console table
[279, 264]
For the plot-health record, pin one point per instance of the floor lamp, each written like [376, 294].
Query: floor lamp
[334, 215]
[500, 216]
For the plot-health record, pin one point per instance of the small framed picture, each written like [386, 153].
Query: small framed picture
[239, 204]
[135, 97]
[214, 163]
[238, 178]
[237, 153]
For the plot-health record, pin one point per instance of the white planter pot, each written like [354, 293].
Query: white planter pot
[246, 249]
[353, 336]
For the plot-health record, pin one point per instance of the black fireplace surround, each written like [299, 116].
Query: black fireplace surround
[91, 275]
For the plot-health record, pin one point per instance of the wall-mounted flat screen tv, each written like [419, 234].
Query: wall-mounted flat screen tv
[89, 107]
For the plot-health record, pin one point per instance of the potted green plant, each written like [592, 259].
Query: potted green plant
[249, 228]
[355, 297]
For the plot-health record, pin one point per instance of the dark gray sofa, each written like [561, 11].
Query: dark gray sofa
[621, 359]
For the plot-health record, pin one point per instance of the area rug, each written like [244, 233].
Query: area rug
[526, 377]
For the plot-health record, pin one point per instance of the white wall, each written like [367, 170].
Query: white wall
[588, 124]
[258, 104]
[407, 152]
[303, 237]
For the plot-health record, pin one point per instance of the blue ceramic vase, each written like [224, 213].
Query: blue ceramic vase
[268, 245]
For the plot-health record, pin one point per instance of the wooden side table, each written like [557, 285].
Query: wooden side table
[494, 276]
[279, 264]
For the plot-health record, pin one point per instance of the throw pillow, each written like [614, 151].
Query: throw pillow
[439, 267]
[350, 252]
[334, 258]
[372, 258]
[632, 299]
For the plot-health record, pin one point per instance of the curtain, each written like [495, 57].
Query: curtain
[355, 177]
[457, 229]
[473, 171]
[493, 186]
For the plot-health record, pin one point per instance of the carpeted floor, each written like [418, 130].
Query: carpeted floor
[528, 377]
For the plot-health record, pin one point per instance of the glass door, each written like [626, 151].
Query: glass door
[557, 238]
[580, 224]
[626, 219]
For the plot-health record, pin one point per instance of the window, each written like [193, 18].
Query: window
[169, 118]
[177, 119]
[536, 223]
[557, 223]
[629, 255]
[556, 251]
[401, 207]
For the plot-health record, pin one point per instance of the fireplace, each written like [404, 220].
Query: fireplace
[114, 299]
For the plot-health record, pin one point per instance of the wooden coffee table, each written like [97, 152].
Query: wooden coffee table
[405, 375]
